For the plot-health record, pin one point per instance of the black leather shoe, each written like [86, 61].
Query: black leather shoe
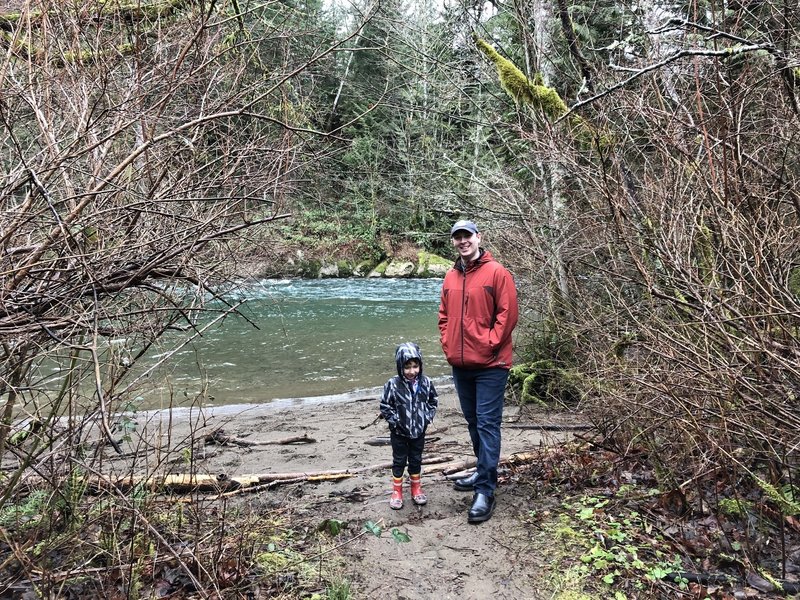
[466, 484]
[482, 508]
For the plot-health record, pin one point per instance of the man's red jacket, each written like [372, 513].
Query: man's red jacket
[477, 313]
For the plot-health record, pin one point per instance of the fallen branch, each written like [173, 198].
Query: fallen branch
[459, 474]
[432, 460]
[197, 482]
[549, 427]
[220, 438]
[385, 440]
[462, 465]
[454, 467]
[190, 482]
[268, 486]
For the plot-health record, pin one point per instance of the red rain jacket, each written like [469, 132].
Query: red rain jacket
[477, 313]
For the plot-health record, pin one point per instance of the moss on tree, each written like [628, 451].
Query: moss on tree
[543, 381]
[536, 94]
[520, 88]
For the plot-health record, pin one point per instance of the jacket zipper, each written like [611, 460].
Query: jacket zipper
[463, 312]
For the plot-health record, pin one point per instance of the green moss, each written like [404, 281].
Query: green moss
[363, 268]
[794, 281]
[733, 507]
[704, 252]
[10, 19]
[549, 101]
[90, 56]
[27, 513]
[423, 258]
[531, 377]
[785, 498]
[132, 10]
[518, 374]
[568, 580]
[381, 267]
[426, 260]
[309, 268]
[543, 382]
[517, 85]
[539, 96]
[566, 533]
[530, 390]
[277, 560]
[435, 259]
[573, 595]
[345, 268]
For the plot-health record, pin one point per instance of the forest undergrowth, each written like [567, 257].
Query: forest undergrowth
[598, 514]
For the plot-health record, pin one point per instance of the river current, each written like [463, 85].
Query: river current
[305, 338]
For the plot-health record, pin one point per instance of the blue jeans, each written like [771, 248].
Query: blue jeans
[480, 392]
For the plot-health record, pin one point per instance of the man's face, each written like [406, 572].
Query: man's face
[467, 244]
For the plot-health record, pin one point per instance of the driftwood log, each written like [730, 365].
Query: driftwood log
[197, 482]
[454, 470]
[183, 483]
[221, 438]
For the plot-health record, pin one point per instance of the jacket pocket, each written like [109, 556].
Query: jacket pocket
[477, 349]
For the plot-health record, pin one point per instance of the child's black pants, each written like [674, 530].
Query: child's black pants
[406, 450]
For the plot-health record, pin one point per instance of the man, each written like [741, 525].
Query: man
[477, 313]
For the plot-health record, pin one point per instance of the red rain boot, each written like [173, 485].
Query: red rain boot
[396, 500]
[417, 495]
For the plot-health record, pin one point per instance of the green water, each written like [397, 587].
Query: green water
[314, 338]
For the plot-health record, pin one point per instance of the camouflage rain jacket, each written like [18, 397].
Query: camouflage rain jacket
[407, 412]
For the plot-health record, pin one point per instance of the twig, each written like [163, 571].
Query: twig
[727, 52]
[550, 427]
[385, 440]
[378, 418]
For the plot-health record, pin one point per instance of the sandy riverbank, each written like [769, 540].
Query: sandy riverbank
[445, 557]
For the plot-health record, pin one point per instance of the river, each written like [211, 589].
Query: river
[304, 338]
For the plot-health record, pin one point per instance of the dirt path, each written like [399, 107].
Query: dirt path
[445, 557]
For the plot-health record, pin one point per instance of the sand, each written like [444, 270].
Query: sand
[446, 557]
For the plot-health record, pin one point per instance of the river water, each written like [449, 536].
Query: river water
[314, 338]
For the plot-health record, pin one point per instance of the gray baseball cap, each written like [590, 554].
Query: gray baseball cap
[465, 225]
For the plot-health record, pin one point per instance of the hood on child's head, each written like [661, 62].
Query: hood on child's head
[405, 352]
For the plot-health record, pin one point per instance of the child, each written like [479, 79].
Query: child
[409, 403]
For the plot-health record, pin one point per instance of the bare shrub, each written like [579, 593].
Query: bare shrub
[140, 144]
[663, 247]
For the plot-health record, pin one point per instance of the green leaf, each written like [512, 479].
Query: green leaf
[399, 536]
[332, 526]
[373, 528]
[659, 572]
